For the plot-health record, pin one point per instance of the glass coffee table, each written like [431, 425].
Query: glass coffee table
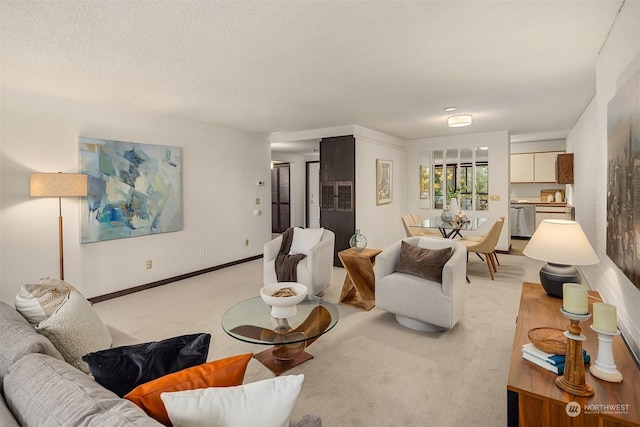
[251, 321]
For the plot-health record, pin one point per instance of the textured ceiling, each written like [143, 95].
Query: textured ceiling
[285, 66]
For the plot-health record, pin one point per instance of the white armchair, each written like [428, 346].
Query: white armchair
[419, 303]
[314, 271]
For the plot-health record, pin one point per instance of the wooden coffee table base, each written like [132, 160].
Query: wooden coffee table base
[278, 366]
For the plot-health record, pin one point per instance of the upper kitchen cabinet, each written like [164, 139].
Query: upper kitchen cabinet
[522, 168]
[565, 168]
[534, 167]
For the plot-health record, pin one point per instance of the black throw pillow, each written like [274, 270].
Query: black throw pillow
[121, 369]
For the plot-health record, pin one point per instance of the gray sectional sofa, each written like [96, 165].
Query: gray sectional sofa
[38, 388]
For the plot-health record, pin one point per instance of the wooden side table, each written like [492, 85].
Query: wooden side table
[358, 289]
[534, 400]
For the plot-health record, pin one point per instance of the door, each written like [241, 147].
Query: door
[280, 197]
[313, 199]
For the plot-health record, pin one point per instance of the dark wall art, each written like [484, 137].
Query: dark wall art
[623, 183]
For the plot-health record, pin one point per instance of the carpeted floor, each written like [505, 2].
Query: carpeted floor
[369, 370]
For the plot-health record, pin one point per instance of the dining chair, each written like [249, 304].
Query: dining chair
[415, 219]
[486, 245]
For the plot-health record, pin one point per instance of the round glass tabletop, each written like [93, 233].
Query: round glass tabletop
[251, 321]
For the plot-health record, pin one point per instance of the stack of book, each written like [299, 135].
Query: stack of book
[550, 362]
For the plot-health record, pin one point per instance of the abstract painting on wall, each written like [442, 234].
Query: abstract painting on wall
[133, 189]
[623, 180]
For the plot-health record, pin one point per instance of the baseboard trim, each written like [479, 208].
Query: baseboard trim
[151, 285]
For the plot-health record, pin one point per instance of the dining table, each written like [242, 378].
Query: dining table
[451, 229]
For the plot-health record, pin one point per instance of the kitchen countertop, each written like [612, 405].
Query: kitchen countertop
[536, 202]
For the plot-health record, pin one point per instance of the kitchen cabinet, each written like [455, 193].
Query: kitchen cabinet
[534, 167]
[551, 212]
[522, 167]
[545, 167]
[564, 165]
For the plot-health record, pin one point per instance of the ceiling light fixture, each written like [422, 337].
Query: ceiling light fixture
[448, 109]
[459, 121]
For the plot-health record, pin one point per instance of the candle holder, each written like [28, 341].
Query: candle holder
[605, 366]
[573, 380]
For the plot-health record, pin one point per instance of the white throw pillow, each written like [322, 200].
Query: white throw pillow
[266, 403]
[38, 302]
[75, 330]
[304, 239]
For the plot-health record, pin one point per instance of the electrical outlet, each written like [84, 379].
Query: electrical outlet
[149, 264]
[246, 242]
[201, 253]
[494, 197]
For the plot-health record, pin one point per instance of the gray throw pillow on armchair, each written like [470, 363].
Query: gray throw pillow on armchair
[423, 262]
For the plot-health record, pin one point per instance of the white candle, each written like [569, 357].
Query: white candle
[574, 298]
[604, 317]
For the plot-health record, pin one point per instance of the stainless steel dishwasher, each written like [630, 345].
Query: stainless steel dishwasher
[523, 220]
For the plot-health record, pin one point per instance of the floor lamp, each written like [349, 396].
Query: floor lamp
[58, 185]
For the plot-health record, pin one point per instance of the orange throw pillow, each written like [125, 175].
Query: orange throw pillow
[219, 373]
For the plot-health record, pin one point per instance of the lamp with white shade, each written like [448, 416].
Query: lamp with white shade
[563, 245]
[58, 185]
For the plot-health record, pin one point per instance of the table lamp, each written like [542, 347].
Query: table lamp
[562, 244]
[58, 185]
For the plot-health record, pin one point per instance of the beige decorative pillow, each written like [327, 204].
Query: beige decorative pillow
[38, 302]
[423, 262]
[76, 329]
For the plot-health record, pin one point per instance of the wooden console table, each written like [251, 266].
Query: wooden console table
[358, 289]
[534, 400]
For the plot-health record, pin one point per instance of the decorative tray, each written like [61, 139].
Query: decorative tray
[550, 340]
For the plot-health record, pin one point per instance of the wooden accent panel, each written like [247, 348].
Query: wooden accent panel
[338, 189]
[564, 165]
[540, 402]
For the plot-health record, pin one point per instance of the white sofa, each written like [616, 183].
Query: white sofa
[419, 303]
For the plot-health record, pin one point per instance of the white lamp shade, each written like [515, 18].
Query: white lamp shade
[560, 241]
[57, 185]
[459, 121]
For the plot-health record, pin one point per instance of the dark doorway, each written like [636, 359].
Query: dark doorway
[280, 197]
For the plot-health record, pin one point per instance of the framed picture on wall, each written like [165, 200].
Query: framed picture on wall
[623, 179]
[384, 181]
[133, 189]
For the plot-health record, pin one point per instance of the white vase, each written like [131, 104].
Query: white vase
[453, 205]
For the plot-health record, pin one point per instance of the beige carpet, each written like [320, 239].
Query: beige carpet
[369, 370]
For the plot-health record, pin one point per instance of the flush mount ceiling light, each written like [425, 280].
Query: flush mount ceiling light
[459, 121]
[450, 109]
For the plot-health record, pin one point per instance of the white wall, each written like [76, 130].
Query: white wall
[220, 168]
[380, 224]
[498, 144]
[588, 140]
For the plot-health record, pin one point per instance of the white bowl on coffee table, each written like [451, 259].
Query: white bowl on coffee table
[283, 307]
